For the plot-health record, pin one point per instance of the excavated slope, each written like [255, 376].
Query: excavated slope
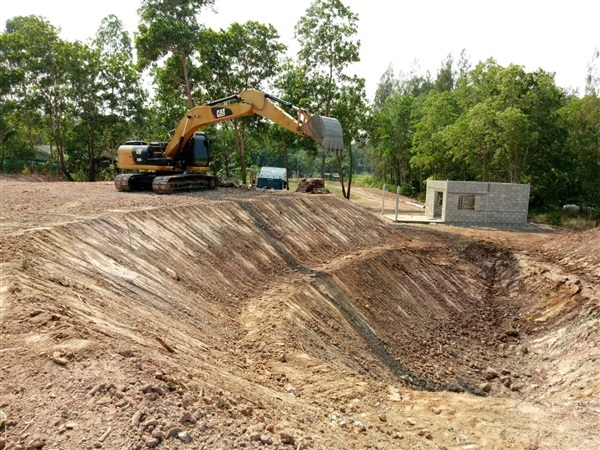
[237, 323]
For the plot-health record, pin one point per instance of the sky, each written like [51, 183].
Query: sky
[559, 37]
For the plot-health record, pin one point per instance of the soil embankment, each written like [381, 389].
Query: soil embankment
[240, 319]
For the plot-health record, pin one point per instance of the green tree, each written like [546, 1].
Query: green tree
[244, 56]
[105, 98]
[328, 45]
[170, 28]
[36, 51]
[475, 135]
[83, 89]
[352, 112]
[508, 130]
[391, 135]
[581, 117]
[387, 86]
[515, 139]
[169, 98]
[120, 97]
[592, 85]
[327, 34]
[9, 77]
[297, 88]
[445, 77]
[432, 139]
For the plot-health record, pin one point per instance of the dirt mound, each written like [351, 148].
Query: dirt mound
[578, 251]
[237, 319]
[31, 178]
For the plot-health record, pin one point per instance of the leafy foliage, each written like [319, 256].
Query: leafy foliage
[244, 56]
[492, 123]
[170, 28]
[485, 122]
[81, 98]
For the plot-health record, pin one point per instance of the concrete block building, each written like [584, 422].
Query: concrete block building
[470, 203]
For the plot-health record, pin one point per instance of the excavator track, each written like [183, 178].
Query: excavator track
[128, 182]
[169, 184]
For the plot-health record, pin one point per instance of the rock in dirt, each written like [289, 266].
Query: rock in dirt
[184, 437]
[174, 432]
[172, 274]
[158, 435]
[187, 401]
[426, 434]
[96, 388]
[287, 439]
[187, 417]
[152, 442]
[360, 426]
[490, 374]
[486, 387]
[35, 444]
[137, 417]
[60, 360]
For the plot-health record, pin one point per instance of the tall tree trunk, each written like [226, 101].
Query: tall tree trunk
[60, 149]
[351, 170]
[484, 168]
[341, 168]
[186, 79]
[485, 162]
[226, 158]
[92, 156]
[240, 134]
[2, 151]
[287, 178]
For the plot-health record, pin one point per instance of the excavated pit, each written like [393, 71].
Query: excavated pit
[280, 303]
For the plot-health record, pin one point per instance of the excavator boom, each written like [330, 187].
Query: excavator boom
[326, 131]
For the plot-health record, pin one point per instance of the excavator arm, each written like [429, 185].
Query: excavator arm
[326, 131]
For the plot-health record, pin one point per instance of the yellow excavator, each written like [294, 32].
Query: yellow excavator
[183, 162]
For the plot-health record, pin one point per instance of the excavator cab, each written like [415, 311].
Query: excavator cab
[197, 153]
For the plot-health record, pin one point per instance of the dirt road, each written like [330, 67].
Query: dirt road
[244, 319]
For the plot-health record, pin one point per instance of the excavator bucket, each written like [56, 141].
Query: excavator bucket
[327, 131]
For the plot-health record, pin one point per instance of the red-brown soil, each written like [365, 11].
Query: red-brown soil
[235, 319]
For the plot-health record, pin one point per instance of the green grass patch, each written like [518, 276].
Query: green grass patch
[337, 190]
[362, 179]
[566, 219]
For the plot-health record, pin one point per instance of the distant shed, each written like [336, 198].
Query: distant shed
[470, 203]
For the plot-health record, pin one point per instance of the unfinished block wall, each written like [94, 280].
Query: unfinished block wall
[432, 207]
[470, 203]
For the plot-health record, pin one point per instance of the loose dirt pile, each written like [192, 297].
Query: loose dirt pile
[251, 319]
